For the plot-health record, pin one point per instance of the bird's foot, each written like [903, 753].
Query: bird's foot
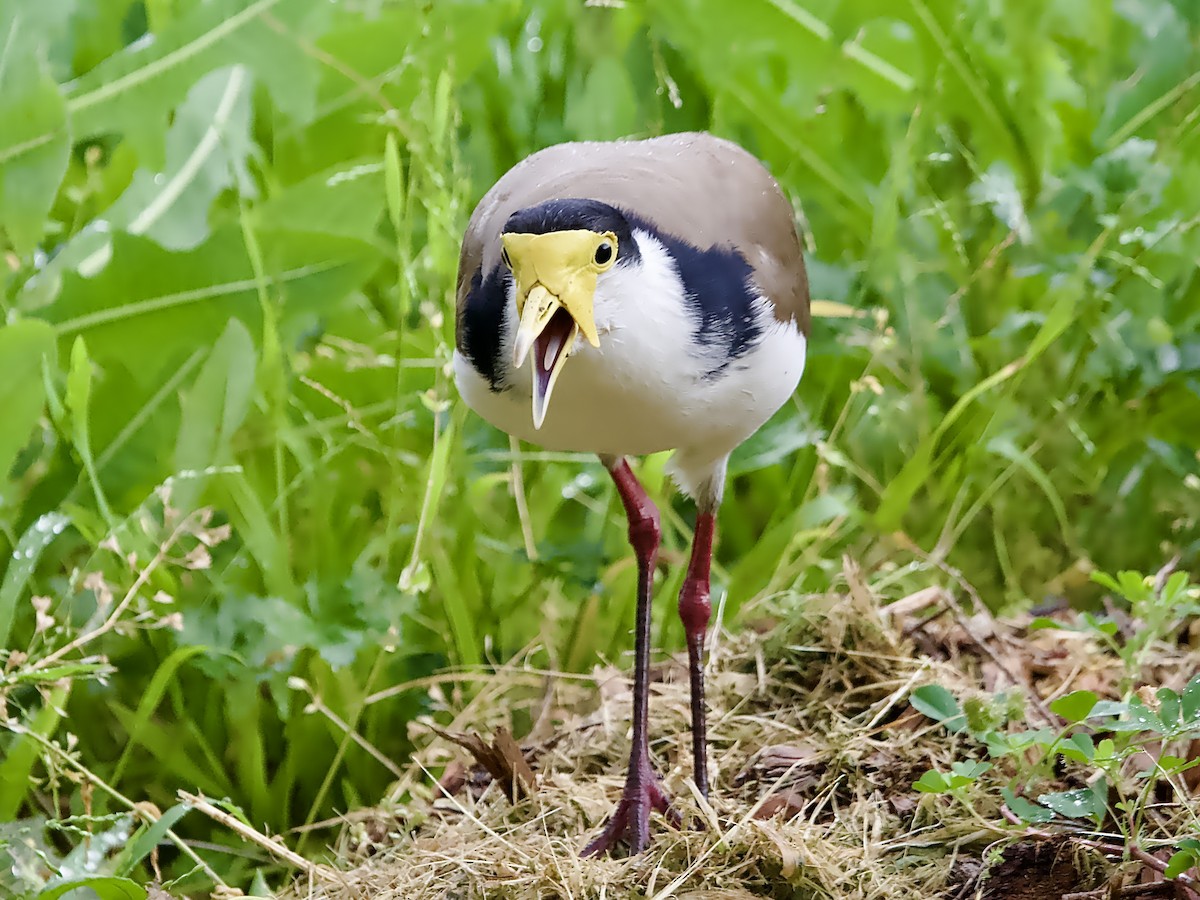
[630, 821]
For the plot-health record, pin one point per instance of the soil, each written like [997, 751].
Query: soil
[1035, 871]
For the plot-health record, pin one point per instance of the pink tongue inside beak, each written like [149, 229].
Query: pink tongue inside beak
[547, 348]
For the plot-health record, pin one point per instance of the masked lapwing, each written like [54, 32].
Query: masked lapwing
[623, 299]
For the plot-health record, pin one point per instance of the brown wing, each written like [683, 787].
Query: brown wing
[701, 188]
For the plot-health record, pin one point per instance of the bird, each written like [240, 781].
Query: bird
[624, 298]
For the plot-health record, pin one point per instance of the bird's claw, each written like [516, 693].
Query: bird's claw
[630, 821]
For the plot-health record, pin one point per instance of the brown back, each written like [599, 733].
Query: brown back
[701, 188]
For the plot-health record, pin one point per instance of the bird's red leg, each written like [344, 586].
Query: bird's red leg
[694, 610]
[631, 819]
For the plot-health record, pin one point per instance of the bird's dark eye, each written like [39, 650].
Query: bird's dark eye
[504, 257]
[604, 253]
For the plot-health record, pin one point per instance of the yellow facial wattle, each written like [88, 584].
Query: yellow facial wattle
[552, 272]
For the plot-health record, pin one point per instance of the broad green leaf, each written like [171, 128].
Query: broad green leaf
[1188, 10]
[34, 135]
[932, 782]
[1080, 804]
[940, 705]
[1190, 702]
[43, 25]
[346, 200]
[1135, 586]
[1001, 744]
[1138, 718]
[137, 431]
[1076, 706]
[104, 887]
[99, 29]
[207, 147]
[971, 769]
[1106, 627]
[1106, 580]
[1028, 811]
[213, 409]
[1187, 857]
[962, 774]
[132, 92]
[1078, 747]
[23, 346]
[1175, 589]
[1168, 708]
[1105, 751]
[1172, 765]
[1180, 862]
[167, 303]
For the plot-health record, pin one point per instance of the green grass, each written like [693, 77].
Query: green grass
[230, 288]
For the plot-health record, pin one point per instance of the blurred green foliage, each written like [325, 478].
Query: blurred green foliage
[230, 232]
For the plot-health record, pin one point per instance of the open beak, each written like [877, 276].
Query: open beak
[549, 331]
[555, 277]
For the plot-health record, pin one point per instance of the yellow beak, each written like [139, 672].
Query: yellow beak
[552, 340]
[555, 277]
[539, 308]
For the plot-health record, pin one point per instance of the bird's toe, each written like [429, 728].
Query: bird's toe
[630, 821]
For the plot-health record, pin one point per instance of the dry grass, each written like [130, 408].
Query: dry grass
[814, 750]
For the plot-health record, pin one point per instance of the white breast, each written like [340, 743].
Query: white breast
[645, 389]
